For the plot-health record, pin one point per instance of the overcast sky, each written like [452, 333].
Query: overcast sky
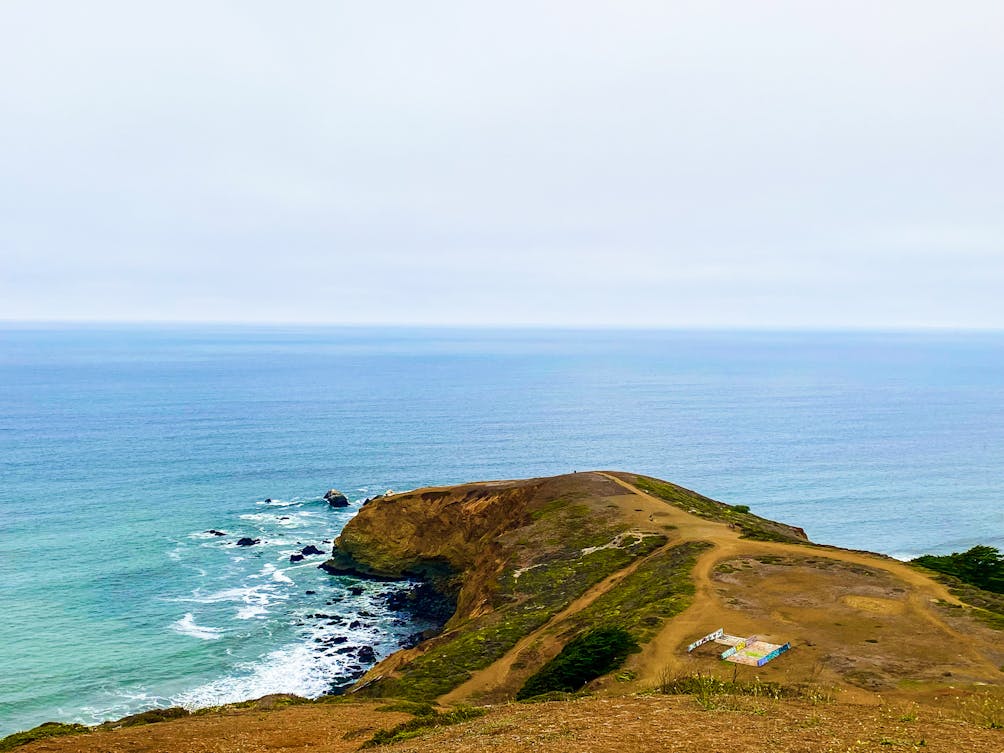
[749, 163]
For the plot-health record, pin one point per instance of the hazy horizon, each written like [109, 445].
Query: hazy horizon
[587, 165]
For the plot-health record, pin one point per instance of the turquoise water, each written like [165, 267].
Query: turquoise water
[120, 447]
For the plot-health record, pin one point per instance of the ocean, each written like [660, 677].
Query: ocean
[122, 447]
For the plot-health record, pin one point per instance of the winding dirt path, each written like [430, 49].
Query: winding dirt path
[662, 653]
[707, 612]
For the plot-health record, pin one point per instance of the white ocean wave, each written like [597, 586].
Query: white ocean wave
[186, 626]
[296, 668]
[251, 612]
[279, 502]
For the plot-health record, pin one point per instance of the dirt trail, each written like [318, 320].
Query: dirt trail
[707, 612]
[495, 674]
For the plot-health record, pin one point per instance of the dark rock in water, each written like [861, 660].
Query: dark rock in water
[296, 558]
[283, 517]
[356, 590]
[310, 593]
[215, 532]
[366, 654]
[355, 625]
[336, 499]
[268, 500]
[310, 549]
[345, 650]
[247, 541]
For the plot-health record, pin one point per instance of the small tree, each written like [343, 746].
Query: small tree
[981, 566]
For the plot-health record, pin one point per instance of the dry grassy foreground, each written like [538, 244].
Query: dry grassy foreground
[618, 725]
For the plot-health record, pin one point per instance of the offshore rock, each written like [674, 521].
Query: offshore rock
[336, 499]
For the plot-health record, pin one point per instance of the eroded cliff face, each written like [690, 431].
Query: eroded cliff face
[460, 538]
[512, 553]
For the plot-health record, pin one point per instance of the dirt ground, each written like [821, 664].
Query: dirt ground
[631, 724]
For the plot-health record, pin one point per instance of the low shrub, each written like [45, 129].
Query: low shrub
[981, 566]
[585, 658]
[42, 731]
[424, 723]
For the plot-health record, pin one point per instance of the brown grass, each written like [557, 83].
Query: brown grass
[631, 724]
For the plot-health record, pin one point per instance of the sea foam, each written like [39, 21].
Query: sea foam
[186, 626]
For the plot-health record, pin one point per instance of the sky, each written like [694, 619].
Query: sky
[639, 164]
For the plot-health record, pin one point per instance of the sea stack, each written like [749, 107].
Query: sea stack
[336, 499]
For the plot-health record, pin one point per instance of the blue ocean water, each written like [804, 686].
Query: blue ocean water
[120, 447]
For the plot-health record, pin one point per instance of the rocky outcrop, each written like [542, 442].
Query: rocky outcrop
[247, 541]
[336, 499]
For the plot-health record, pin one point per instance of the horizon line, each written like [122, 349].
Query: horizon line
[539, 326]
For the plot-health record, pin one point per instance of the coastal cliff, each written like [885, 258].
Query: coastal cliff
[518, 557]
[532, 565]
[534, 568]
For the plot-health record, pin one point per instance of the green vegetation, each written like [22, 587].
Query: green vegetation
[981, 566]
[531, 600]
[659, 589]
[752, 526]
[982, 709]
[585, 658]
[153, 716]
[566, 550]
[49, 729]
[975, 577]
[409, 707]
[421, 724]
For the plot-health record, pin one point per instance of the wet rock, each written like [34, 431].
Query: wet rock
[215, 532]
[336, 499]
[310, 549]
[366, 654]
[310, 593]
[296, 558]
[355, 625]
[356, 590]
[245, 541]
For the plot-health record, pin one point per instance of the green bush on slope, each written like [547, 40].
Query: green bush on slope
[585, 658]
[981, 566]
